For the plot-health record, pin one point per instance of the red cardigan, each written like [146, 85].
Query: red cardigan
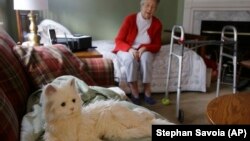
[128, 32]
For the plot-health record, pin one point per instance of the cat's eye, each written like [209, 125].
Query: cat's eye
[63, 104]
[73, 100]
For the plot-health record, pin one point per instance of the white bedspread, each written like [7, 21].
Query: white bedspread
[193, 73]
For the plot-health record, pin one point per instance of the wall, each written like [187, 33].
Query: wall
[8, 17]
[99, 18]
[180, 11]
[102, 19]
[2, 13]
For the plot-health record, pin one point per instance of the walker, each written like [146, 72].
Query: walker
[180, 39]
[227, 30]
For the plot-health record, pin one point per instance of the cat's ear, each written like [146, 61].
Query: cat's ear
[50, 89]
[72, 82]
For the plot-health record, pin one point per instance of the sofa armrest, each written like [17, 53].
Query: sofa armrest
[101, 70]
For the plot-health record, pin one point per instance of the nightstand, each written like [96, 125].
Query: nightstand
[90, 53]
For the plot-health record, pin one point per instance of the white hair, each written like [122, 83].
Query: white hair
[157, 2]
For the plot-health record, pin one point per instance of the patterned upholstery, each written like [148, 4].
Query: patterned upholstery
[9, 130]
[45, 63]
[101, 71]
[12, 79]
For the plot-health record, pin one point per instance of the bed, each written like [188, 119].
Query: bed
[194, 75]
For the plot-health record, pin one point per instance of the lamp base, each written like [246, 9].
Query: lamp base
[33, 37]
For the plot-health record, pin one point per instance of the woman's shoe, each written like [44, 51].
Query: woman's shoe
[136, 100]
[149, 100]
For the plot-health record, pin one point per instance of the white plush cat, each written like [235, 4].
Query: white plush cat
[67, 120]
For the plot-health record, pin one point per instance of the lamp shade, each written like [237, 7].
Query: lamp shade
[30, 4]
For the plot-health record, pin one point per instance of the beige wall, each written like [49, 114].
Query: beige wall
[8, 17]
[100, 18]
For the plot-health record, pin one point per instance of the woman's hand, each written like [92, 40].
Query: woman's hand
[141, 50]
[135, 53]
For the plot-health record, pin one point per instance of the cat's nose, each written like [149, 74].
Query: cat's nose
[72, 109]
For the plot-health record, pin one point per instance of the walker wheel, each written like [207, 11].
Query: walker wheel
[181, 116]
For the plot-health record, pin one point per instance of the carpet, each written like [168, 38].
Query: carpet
[193, 105]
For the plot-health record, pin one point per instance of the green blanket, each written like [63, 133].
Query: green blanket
[32, 123]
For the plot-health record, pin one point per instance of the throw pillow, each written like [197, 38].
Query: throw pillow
[45, 63]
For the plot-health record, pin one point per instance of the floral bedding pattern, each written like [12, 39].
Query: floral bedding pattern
[193, 72]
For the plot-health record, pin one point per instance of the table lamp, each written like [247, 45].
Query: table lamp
[31, 5]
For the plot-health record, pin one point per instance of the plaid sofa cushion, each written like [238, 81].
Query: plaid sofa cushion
[9, 130]
[101, 70]
[45, 63]
[13, 79]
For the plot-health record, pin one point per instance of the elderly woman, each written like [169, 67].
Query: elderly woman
[138, 39]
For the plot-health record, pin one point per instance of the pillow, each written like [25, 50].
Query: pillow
[45, 63]
[47, 24]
